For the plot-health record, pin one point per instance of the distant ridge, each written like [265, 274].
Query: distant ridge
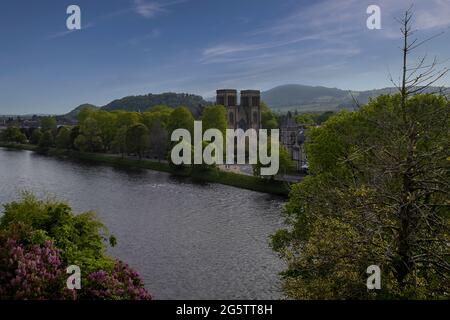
[193, 102]
[282, 98]
[318, 98]
[74, 113]
[141, 103]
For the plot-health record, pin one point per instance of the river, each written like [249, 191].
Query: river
[186, 240]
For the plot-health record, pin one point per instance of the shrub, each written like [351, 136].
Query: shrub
[39, 239]
[122, 283]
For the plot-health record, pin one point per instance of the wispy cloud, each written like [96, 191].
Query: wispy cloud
[145, 8]
[321, 24]
[331, 14]
[321, 39]
[67, 32]
[150, 9]
[436, 14]
[331, 24]
[232, 48]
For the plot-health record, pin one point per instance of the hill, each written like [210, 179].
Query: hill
[310, 98]
[193, 102]
[295, 94]
[72, 115]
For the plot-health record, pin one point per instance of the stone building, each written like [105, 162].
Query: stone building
[246, 114]
[292, 137]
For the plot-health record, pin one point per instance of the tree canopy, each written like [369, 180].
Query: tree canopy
[377, 194]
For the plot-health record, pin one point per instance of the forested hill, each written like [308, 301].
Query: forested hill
[142, 103]
[316, 98]
[74, 113]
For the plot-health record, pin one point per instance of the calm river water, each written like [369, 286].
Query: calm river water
[187, 240]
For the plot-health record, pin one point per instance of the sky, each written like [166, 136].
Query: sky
[131, 47]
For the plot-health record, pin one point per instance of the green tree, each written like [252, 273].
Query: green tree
[137, 139]
[160, 108]
[125, 118]
[90, 130]
[13, 134]
[285, 163]
[74, 133]
[158, 140]
[48, 124]
[157, 114]
[47, 140]
[107, 126]
[324, 116]
[62, 140]
[268, 118]
[80, 143]
[120, 141]
[305, 118]
[214, 117]
[36, 136]
[85, 113]
[181, 118]
[20, 137]
[377, 194]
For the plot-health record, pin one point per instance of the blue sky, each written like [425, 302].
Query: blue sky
[128, 47]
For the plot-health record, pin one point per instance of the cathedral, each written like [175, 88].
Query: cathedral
[246, 114]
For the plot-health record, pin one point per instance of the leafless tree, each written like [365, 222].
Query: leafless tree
[421, 76]
[416, 183]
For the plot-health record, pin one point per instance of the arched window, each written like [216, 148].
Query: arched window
[243, 125]
[231, 118]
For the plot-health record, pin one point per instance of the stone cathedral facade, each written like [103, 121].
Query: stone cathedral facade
[244, 115]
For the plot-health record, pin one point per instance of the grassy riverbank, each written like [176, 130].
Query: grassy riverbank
[212, 175]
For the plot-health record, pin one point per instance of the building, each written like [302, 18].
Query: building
[292, 137]
[246, 114]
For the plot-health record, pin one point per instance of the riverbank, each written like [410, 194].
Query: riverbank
[213, 175]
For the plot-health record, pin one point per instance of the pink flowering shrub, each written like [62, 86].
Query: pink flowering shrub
[122, 283]
[30, 272]
[40, 239]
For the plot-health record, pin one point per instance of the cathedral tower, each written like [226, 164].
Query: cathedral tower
[247, 114]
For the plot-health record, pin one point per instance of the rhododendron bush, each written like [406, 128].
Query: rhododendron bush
[39, 239]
